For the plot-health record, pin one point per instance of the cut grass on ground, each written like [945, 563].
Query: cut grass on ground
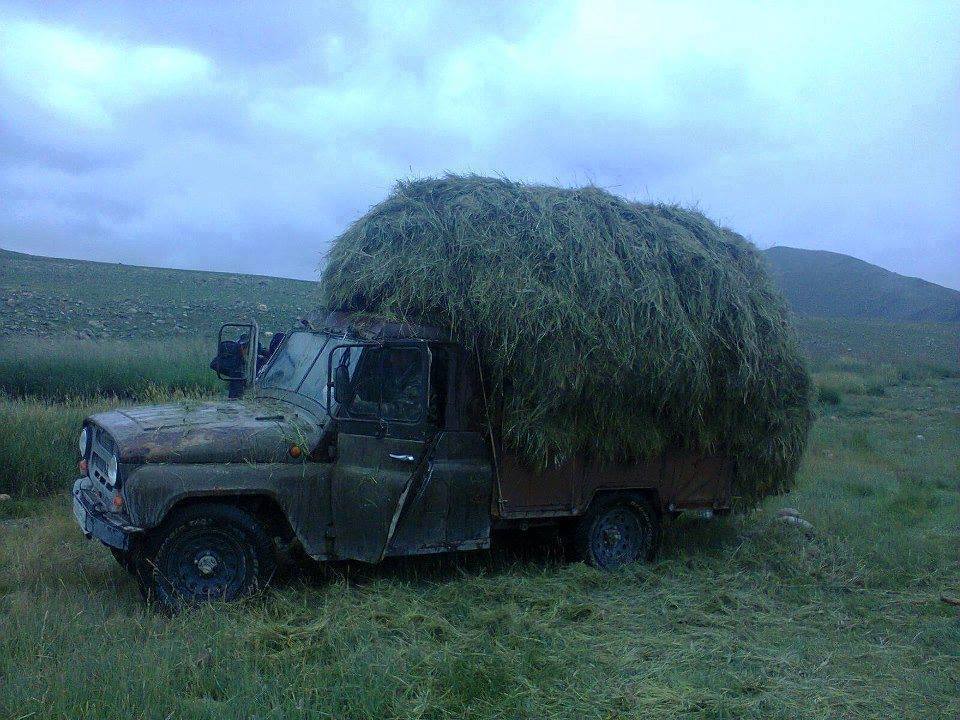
[739, 618]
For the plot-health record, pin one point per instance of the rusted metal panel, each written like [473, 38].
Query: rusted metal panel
[645, 475]
[680, 481]
[211, 432]
[301, 490]
[692, 482]
[367, 488]
[527, 491]
[450, 509]
[370, 327]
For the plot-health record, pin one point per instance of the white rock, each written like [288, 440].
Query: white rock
[798, 521]
[4, 497]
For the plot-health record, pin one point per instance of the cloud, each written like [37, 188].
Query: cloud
[88, 82]
[246, 137]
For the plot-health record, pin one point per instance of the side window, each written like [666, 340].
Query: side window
[386, 383]
[362, 365]
[403, 387]
[366, 385]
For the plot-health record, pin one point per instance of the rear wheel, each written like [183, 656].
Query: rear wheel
[208, 552]
[617, 530]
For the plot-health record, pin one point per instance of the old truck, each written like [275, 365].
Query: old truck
[359, 439]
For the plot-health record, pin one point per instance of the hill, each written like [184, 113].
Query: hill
[53, 297]
[828, 284]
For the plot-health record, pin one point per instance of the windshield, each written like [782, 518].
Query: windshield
[299, 365]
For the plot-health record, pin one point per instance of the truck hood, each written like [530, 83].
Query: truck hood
[213, 432]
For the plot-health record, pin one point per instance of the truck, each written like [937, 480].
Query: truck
[361, 438]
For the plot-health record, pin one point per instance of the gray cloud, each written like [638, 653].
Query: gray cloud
[245, 137]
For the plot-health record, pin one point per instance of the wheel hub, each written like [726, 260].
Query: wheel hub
[207, 564]
[617, 538]
[611, 536]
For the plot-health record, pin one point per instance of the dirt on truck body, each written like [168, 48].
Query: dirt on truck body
[359, 439]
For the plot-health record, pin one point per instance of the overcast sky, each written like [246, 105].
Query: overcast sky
[232, 137]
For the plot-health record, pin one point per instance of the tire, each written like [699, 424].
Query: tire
[206, 552]
[617, 530]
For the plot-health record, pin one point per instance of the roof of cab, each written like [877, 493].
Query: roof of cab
[371, 327]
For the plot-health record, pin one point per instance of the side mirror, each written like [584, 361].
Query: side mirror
[342, 386]
[228, 363]
[237, 346]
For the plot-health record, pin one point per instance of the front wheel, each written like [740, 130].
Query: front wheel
[208, 552]
[124, 558]
[617, 530]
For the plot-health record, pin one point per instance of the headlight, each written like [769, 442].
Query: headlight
[112, 470]
[84, 439]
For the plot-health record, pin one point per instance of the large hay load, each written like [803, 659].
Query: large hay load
[611, 328]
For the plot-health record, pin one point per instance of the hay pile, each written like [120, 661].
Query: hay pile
[615, 328]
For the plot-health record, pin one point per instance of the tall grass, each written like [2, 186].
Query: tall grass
[847, 376]
[47, 388]
[67, 368]
[38, 439]
[38, 445]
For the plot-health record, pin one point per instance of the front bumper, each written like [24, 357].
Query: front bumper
[95, 521]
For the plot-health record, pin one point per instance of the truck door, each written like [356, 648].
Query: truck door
[448, 506]
[383, 442]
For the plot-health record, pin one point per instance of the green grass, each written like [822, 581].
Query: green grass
[739, 618]
[142, 370]
[47, 388]
[38, 446]
[847, 376]
[599, 320]
[927, 348]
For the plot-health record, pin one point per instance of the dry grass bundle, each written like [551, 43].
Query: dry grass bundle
[612, 328]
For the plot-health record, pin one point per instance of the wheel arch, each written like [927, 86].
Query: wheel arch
[263, 506]
[650, 494]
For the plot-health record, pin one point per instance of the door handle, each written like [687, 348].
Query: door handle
[402, 458]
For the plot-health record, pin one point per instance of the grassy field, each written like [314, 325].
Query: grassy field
[743, 617]
[47, 387]
[67, 368]
[933, 347]
[740, 618]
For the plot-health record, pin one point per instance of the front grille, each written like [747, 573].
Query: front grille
[101, 450]
[105, 441]
[99, 464]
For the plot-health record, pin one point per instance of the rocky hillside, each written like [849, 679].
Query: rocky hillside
[42, 296]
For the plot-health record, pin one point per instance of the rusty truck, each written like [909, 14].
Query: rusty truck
[359, 439]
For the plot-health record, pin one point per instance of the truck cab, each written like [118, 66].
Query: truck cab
[359, 439]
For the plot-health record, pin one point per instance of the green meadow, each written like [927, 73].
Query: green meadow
[739, 617]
